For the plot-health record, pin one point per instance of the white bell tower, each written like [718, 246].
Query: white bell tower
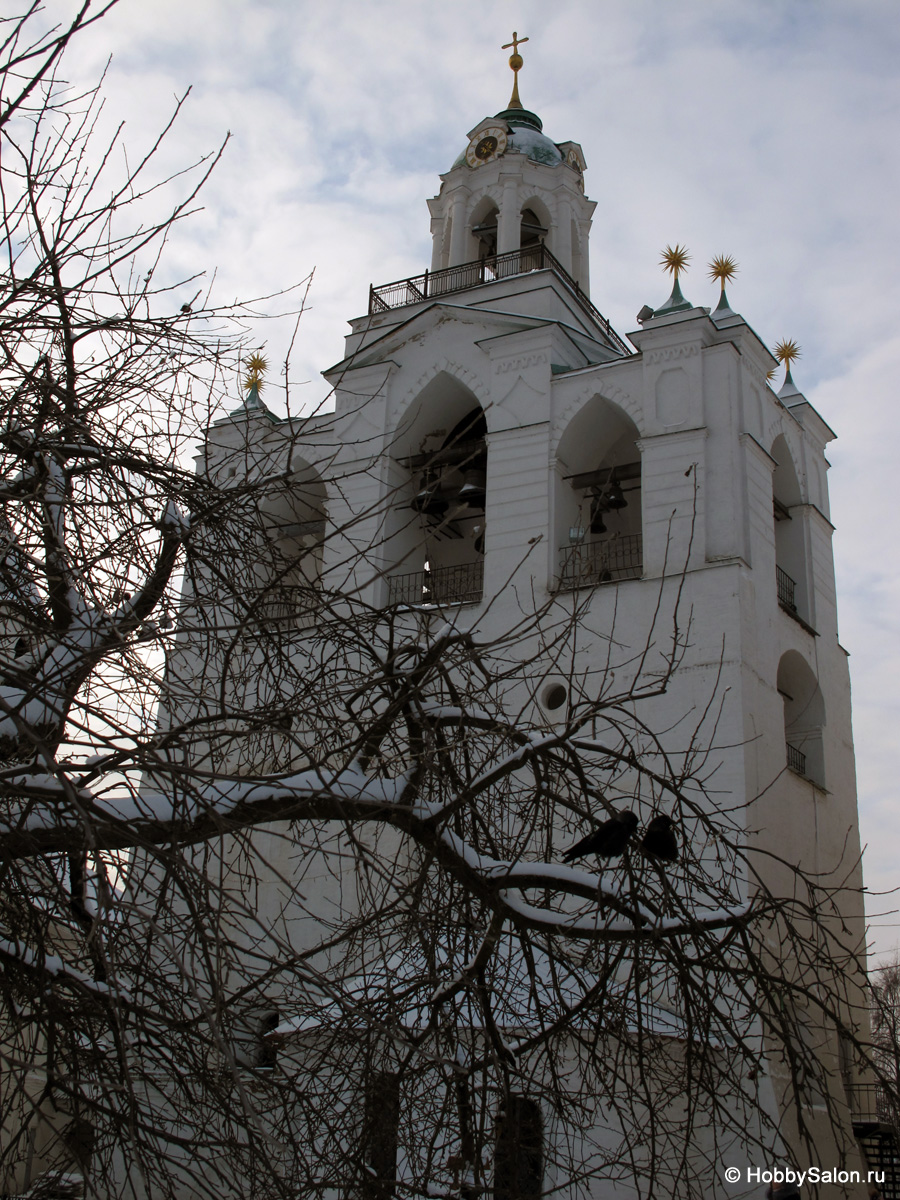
[500, 457]
[513, 189]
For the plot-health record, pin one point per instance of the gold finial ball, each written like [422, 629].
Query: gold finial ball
[516, 61]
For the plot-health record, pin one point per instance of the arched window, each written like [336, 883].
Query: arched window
[804, 718]
[437, 527]
[790, 551]
[598, 498]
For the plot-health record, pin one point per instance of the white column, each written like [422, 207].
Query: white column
[562, 242]
[584, 228]
[509, 221]
[458, 230]
[437, 241]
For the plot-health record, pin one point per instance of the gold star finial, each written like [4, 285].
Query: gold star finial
[516, 62]
[787, 352]
[675, 259]
[724, 268]
[256, 368]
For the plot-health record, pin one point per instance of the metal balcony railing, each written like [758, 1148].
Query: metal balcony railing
[588, 564]
[872, 1104]
[787, 589]
[796, 759]
[460, 584]
[385, 296]
[287, 606]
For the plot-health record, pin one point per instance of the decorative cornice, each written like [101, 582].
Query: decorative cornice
[670, 354]
[520, 363]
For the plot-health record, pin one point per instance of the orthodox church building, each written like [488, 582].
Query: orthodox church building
[495, 444]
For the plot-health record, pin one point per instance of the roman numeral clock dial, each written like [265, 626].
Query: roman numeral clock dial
[486, 145]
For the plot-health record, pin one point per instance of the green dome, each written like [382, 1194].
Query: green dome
[525, 137]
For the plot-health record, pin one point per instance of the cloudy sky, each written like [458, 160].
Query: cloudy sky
[766, 129]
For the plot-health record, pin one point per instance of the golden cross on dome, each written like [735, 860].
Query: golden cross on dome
[515, 62]
[515, 43]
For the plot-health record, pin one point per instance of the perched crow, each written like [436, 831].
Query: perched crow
[659, 839]
[608, 840]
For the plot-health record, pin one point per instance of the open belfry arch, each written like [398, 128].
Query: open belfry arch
[497, 449]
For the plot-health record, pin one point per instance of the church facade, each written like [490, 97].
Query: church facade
[500, 455]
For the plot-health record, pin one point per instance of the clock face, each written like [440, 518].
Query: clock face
[486, 145]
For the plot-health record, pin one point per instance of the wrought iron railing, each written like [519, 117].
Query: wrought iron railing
[796, 759]
[485, 270]
[460, 584]
[873, 1104]
[787, 590]
[588, 564]
[285, 606]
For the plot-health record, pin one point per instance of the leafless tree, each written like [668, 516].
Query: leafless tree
[886, 1038]
[283, 908]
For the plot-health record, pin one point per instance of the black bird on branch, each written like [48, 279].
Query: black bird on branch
[659, 840]
[608, 840]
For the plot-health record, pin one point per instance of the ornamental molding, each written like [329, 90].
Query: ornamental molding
[756, 373]
[520, 363]
[607, 391]
[670, 354]
[781, 427]
[399, 407]
[493, 191]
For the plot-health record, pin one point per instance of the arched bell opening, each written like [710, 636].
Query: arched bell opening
[534, 234]
[437, 523]
[482, 242]
[532, 231]
[790, 550]
[293, 515]
[598, 516]
[804, 718]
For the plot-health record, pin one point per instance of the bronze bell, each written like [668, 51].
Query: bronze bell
[472, 492]
[615, 497]
[598, 508]
[427, 501]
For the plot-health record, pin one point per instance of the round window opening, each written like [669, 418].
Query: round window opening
[554, 697]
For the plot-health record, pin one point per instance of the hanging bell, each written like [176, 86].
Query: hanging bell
[472, 492]
[615, 497]
[427, 501]
[598, 508]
